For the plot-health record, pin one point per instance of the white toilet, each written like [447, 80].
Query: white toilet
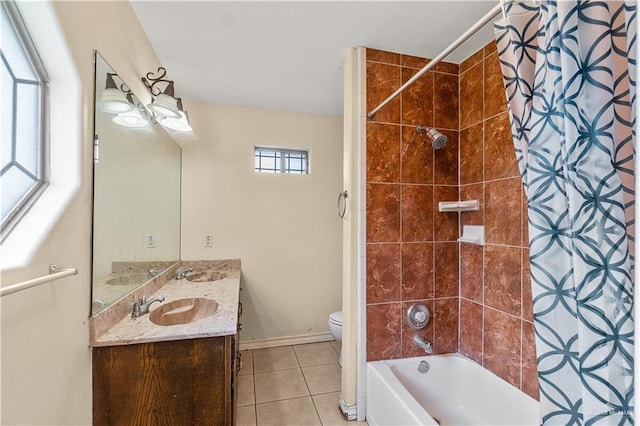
[335, 328]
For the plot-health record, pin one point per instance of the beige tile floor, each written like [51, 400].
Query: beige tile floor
[291, 385]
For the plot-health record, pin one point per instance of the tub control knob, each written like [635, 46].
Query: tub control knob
[418, 316]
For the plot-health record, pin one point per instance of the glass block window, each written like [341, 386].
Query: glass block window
[23, 91]
[279, 160]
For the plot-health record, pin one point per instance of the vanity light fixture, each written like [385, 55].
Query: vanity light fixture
[133, 119]
[114, 99]
[164, 103]
[181, 124]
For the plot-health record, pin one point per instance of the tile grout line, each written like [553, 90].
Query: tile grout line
[306, 382]
[255, 396]
[310, 395]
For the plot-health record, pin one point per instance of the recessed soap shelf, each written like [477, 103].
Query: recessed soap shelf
[459, 206]
[472, 234]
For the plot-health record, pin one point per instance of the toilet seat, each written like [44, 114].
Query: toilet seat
[336, 318]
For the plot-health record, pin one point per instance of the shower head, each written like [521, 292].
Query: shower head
[438, 140]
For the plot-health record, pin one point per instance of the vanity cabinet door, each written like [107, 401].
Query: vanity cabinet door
[183, 382]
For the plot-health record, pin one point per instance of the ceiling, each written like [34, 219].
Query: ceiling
[289, 55]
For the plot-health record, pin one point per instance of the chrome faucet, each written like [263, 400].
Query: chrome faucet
[141, 307]
[153, 272]
[421, 343]
[181, 273]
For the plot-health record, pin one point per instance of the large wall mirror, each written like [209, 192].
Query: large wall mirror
[136, 201]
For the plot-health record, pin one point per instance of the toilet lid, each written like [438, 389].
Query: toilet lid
[336, 318]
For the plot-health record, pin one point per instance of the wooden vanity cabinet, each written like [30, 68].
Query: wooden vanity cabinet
[180, 382]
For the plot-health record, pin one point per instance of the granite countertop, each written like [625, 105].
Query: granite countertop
[223, 322]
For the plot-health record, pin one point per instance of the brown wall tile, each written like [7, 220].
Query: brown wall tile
[471, 333]
[502, 201]
[445, 160]
[383, 273]
[417, 271]
[499, 154]
[447, 281]
[417, 219]
[447, 67]
[413, 61]
[417, 99]
[502, 335]
[412, 224]
[471, 272]
[501, 288]
[383, 56]
[417, 156]
[383, 212]
[472, 192]
[479, 164]
[445, 224]
[471, 154]
[491, 47]
[495, 99]
[383, 152]
[529, 364]
[383, 80]
[384, 331]
[471, 61]
[502, 279]
[446, 100]
[445, 326]
[527, 298]
[471, 90]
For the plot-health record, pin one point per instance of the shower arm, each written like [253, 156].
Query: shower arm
[471, 31]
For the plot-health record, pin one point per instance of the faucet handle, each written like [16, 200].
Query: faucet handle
[143, 299]
[136, 312]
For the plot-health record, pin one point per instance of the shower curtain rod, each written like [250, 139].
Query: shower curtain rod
[471, 31]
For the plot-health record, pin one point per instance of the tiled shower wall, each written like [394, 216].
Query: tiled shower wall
[412, 253]
[496, 319]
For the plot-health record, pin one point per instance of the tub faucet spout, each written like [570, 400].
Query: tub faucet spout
[421, 343]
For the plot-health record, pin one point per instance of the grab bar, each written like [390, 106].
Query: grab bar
[55, 273]
[342, 211]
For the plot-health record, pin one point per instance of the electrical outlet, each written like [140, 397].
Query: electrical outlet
[208, 240]
[149, 240]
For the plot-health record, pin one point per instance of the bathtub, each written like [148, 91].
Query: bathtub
[454, 391]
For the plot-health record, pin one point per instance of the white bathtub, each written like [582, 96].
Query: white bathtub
[455, 391]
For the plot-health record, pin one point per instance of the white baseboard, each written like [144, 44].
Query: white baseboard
[348, 411]
[285, 341]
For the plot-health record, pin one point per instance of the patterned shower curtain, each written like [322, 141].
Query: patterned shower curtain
[569, 75]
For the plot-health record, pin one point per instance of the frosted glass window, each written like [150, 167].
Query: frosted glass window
[23, 128]
[276, 160]
[296, 162]
[267, 160]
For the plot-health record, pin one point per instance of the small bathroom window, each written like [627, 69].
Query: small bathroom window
[24, 123]
[281, 160]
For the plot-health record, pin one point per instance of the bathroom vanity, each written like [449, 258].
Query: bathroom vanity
[176, 364]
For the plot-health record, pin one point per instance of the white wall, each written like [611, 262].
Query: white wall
[137, 193]
[46, 359]
[284, 228]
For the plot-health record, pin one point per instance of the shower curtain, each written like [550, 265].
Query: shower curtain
[569, 75]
